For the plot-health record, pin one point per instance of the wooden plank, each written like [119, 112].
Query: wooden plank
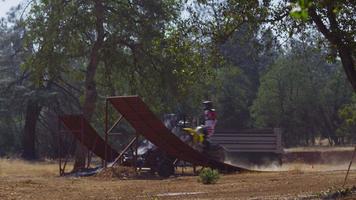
[250, 146]
[252, 150]
[246, 142]
[243, 135]
[244, 139]
[246, 130]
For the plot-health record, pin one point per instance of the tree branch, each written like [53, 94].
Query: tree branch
[321, 26]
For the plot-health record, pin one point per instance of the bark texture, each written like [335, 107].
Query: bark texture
[90, 86]
[33, 110]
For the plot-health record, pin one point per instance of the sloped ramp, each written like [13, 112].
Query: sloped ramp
[137, 113]
[86, 134]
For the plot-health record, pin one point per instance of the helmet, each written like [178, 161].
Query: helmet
[208, 105]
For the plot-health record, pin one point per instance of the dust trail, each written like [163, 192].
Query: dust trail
[297, 159]
[302, 167]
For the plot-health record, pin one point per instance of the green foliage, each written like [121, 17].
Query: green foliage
[300, 10]
[302, 94]
[220, 19]
[335, 21]
[13, 89]
[348, 112]
[145, 50]
[246, 59]
[232, 97]
[208, 176]
[348, 115]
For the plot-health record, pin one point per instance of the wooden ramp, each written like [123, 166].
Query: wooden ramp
[137, 113]
[86, 134]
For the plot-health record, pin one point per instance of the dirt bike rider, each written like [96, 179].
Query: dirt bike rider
[209, 122]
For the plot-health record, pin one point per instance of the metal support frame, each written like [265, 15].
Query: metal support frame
[59, 146]
[108, 132]
[64, 150]
[129, 145]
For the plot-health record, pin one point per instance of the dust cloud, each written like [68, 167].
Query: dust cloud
[293, 166]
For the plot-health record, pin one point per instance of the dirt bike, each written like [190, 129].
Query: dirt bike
[199, 140]
[158, 161]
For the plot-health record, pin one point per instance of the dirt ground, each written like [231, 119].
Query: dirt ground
[24, 180]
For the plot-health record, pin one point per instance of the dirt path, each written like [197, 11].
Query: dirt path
[19, 180]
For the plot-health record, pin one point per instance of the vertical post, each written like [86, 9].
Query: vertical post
[348, 170]
[278, 132]
[106, 132]
[59, 146]
[136, 152]
[89, 158]
[183, 167]
[82, 134]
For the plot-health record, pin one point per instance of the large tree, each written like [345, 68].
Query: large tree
[336, 21]
[114, 47]
[62, 33]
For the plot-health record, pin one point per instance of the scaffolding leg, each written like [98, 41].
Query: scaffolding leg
[348, 170]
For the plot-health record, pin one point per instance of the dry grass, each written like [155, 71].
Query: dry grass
[117, 172]
[16, 167]
[39, 180]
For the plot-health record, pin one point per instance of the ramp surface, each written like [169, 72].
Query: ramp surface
[87, 135]
[137, 113]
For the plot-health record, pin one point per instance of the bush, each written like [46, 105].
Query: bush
[208, 176]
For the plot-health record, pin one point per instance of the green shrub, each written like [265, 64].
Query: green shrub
[208, 176]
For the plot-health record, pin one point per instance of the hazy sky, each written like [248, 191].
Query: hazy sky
[5, 6]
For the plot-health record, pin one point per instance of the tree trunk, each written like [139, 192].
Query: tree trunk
[348, 64]
[29, 147]
[335, 36]
[90, 86]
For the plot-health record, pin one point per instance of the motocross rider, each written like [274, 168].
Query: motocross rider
[209, 122]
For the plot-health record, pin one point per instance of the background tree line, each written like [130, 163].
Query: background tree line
[264, 64]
